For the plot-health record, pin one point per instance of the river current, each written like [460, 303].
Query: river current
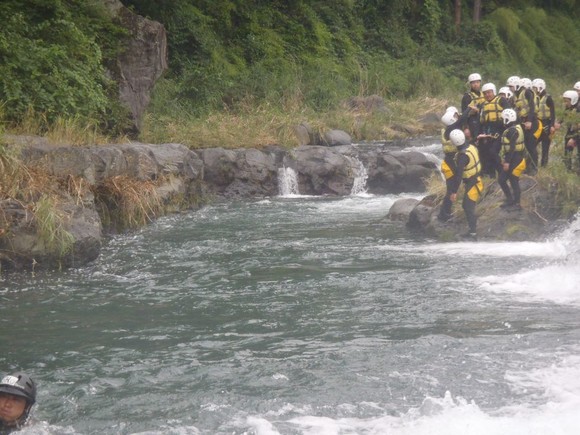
[301, 315]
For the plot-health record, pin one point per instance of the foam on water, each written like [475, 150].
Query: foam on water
[558, 281]
[551, 407]
[555, 249]
[425, 149]
[363, 204]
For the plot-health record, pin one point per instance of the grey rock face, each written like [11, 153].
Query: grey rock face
[141, 64]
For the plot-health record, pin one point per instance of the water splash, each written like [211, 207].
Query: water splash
[359, 186]
[287, 182]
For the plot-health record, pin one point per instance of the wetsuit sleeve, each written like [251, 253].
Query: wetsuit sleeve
[462, 160]
[504, 103]
[465, 102]
[550, 104]
[529, 95]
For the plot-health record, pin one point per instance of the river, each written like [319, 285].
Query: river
[301, 315]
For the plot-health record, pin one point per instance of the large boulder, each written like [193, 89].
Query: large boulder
[334, 138]
[240, 173]
[396, 171]
[323, 171]
[24, 244]
[142, 62]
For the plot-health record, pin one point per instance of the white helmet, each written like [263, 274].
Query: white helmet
[572, 95]
[514, 81]
[506, 91]
[509, 115]
[452, 109]
[448, 118]
[489, 87]
[577, 86]
[457, 137]
[525, 83]
[539, 84]
[473, 77]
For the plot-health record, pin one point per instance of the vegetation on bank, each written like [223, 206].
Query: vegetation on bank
[236, 59]
[244, 73]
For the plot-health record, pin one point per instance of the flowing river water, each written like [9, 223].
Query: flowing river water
[301, 315]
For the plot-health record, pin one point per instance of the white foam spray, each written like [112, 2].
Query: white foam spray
[557, 281]
[359, 186]
[287, 182]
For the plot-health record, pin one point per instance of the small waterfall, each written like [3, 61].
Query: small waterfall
[359, 185]
[287, 182]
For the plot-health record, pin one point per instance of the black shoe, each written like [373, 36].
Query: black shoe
[508, 203]
[469, 235]
[515, 207]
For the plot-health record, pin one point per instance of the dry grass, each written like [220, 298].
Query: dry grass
[251, 126]
[50, 224]
[127, 203]
[73, 131]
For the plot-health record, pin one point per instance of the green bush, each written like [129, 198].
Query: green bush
[53, 58]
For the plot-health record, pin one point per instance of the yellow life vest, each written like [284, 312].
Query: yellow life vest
[448, 146]
[542, 109]
[491, 111]
[505, 142]
[473, 167]
[538, 131]
[522, 105]
[476, 100]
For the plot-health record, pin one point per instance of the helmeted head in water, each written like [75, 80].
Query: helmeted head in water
[17, 396]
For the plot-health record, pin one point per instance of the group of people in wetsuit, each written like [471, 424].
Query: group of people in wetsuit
[497, 134]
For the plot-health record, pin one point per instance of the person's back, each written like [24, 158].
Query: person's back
[17, 396]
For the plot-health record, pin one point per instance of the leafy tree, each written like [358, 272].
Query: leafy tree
[52, 58]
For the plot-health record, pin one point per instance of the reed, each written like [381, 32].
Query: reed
[125, 203]
[255, 126]
[73, 131]
[50, 226]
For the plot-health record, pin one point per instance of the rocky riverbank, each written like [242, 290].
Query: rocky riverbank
[94, 190]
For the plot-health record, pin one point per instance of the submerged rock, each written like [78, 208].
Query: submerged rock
[402, 208]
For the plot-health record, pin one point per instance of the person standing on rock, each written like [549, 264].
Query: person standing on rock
[491, 128]
[470, 102]
[526, 109]
[572, 121]
[452, 121]
[546, 113]
[513, 163]
[468, 171]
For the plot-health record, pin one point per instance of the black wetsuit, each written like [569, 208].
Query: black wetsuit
[489, 147]
[468, 204]
[573, 132]
[547, 124]
[514, 159]
[530, 140]
[472, 118]
[449, 159]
